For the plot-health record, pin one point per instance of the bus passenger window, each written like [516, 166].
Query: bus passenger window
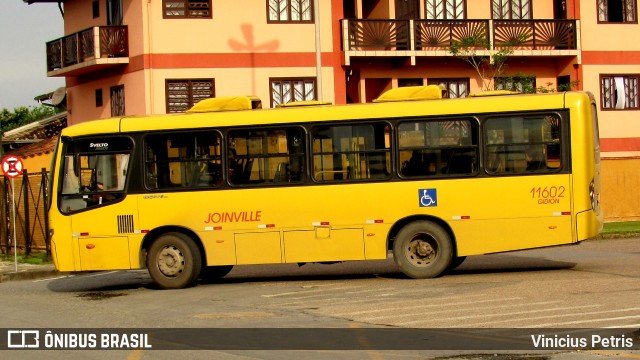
[183, 160]
[522, 144]
[351, 152]
[438, 148]
[265, 157]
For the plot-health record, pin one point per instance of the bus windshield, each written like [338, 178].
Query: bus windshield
[91, 178]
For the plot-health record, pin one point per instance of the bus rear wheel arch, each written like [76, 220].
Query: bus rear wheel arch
[174, 261]
[423, 249]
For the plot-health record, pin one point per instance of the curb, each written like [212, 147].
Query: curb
[29, 274]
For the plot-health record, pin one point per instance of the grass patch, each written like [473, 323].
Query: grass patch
[626, 227]
[36, 258]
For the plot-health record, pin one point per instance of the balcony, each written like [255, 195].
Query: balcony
[88, 50]
[431, 38]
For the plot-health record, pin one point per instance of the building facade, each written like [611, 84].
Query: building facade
[137, 57]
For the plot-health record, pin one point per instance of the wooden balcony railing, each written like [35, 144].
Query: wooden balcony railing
[391, 35]
[93, 43]
[440, 34]
[379, 34]
[535, 34]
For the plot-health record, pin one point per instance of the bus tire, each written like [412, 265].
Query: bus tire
[215, 272]
[174, 261]
[422, 250]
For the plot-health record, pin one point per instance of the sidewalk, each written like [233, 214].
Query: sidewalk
[25, 271]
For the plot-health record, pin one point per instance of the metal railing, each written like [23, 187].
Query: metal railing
[92, 43]
[392, 35]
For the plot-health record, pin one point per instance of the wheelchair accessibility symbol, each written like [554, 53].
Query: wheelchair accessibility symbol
[428, 197]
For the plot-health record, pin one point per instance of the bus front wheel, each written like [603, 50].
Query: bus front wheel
[174, 261]
[422, 250]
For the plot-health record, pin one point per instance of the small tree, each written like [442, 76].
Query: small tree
[487, 67]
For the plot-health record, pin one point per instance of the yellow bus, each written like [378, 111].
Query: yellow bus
[427, 179]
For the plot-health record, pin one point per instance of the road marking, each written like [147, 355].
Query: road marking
[427, 306]
[499, 314]
[336, 301]
[320, 285]
[630, 326]
[547, 317]
[592, 320]
[368, 290]
[309, 291]
[457, 310]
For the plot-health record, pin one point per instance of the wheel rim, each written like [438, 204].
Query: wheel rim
[422, 250]
[170, 261]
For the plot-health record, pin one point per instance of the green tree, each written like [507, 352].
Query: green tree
[487, 67]
[24, 115]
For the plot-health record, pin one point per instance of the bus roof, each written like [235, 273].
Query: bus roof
[302, 114]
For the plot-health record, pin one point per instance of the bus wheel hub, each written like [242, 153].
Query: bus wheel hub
[170, 261]
[423, 251]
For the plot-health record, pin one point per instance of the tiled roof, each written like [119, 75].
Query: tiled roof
[41, 129]
[42, 147]
[42, 134]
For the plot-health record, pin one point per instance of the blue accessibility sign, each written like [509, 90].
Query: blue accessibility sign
[428, 197]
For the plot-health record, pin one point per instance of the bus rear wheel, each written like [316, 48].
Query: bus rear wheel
[174, 261]
[422, 250]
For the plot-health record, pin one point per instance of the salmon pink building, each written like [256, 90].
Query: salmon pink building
[137, 57]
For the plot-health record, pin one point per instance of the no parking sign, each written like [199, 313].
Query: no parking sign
[12, 166]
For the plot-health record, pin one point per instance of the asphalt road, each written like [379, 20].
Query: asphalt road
[593, 285]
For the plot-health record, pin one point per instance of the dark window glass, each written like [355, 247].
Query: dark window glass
[351, 152]
[117, 100]
[183, 160]
[98, 97]
[438, 148]
[523, 144]
[266, 156]
[618, 11]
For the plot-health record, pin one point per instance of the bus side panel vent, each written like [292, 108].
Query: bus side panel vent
[125, 224]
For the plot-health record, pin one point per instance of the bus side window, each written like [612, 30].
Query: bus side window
[351, 152]
[523, 144]
[438, 148]
[265, 157]
[189, 160]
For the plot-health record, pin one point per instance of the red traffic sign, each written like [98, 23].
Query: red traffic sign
[12, 166]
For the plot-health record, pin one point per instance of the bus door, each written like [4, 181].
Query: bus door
[92, 196]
